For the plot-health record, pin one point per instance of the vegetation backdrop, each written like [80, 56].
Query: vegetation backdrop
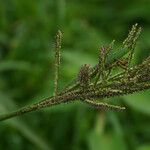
[27, 30]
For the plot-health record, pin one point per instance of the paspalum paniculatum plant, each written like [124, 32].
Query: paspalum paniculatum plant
[93, 84]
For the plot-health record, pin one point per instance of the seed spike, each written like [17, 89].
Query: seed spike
[101, 105]
[132, 37]
[58, 41]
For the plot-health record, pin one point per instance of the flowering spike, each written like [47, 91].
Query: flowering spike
[84, 75]
[101, 105]
[57, 60]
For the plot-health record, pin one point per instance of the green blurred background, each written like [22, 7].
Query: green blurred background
[27, 29]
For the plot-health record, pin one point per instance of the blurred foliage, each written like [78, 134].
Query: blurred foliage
[27, 30]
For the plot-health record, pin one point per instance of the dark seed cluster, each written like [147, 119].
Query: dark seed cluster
[84, 76]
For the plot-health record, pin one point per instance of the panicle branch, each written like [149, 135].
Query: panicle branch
[57, 60]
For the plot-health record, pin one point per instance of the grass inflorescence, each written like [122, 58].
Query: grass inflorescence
[93, 84]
